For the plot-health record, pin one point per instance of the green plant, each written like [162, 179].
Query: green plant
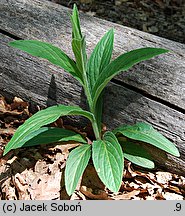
[109, 149]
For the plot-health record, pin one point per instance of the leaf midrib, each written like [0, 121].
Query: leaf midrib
[81, 157]
[107, 153]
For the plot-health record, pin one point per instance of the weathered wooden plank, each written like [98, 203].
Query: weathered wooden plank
[44, 84]
[162, 77]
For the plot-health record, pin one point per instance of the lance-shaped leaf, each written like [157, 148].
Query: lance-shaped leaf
[40, 119]
[79, 50]
[75, 21]
[47, 51]
[75, 166]
[122, 63]
[47, 135]
[108, 161]
[100, 57]
[137, 154]
[78, 42]
[146, 133]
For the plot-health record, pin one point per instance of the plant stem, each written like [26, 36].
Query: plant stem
[88, 94]
[96, 130]
[90, 103]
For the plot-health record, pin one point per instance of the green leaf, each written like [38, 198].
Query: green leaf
[100, 57]
[108, 161]
[40, 119]
[47, 51]
[76, 30]
[78, 42]
[122, 63]
[47, 135]
[79, 47]
[98, 111]
[75, 166]
[79, 50]
[146, 133]
[137, 154]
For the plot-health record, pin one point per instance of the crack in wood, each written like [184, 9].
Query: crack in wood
[149, 96]
[10, 35]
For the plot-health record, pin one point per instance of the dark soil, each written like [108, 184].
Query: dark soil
[165, 18]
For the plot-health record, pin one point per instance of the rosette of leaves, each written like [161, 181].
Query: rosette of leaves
[108, 150]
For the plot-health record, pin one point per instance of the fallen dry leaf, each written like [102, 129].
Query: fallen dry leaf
[7, 131]
[94, 194]
[78, 195]
[172, 196]
[173, 189]
[8, 191]
[5, 109]
[21, 187]
[163, 177]
[127, 196]
[19, 104]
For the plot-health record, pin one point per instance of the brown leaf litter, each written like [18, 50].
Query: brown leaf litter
[37, 173]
